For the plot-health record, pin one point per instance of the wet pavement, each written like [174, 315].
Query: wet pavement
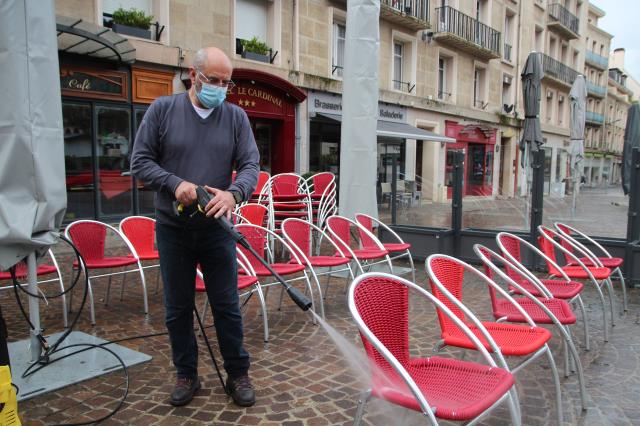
[599, 212]
[302, 378]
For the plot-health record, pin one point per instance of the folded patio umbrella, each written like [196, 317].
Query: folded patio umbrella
[578, 99]
[531, 133]
[631, 140]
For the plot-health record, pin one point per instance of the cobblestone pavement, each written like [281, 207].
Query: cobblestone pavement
[593, 205]
[303, 379]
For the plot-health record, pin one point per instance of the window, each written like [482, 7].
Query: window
[508, 31]
[337, 65]
[445, 69]
[397, 65]
[110, 6]
[479, 88]
[560, 110]
[539, 42]
[549, 105]
[507, 94]
[260, 19]
[159, 9]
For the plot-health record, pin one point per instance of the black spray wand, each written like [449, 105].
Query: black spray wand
[300, 299]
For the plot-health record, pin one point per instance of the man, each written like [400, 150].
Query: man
[184, 140]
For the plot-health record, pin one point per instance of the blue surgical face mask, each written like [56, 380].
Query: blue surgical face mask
[211, 96]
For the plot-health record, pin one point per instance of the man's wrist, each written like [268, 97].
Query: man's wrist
[237, 196]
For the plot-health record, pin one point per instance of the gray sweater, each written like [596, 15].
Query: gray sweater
[174, 143]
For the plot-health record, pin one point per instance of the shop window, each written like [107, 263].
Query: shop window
[77, 125]
[337, 62]
[145, 193]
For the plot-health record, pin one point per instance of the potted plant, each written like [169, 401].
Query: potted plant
[132, 22]
[256, 50]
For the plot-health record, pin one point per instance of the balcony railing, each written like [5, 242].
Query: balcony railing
[403, 86]
[507, 52]
[443, 96]
[594, 117]
[469, 33]
[596, 90]
[559, 14]
[558, 70]
[411, 13]
[596, 60]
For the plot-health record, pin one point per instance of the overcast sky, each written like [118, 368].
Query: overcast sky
[621, 20]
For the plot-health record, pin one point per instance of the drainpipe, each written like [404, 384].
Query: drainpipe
[296, 67]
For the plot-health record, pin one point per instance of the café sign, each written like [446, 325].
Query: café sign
[329, 103]
[93, 83]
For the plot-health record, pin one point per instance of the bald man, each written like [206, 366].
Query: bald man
[185, 140]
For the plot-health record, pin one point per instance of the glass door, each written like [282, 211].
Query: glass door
[113, 143]
[78, 159]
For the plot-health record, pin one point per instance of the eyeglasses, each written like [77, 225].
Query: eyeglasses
[229, 84]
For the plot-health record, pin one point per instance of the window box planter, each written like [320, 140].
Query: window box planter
[132, 31]
[255, 56]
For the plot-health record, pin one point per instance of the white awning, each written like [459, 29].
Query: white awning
[392, 129]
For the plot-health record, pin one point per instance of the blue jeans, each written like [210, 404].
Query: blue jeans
[181, 249]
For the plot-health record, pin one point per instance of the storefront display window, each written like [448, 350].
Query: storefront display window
[77, 125]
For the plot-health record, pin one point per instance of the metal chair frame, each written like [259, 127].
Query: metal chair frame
[427, 410]
[564, 330]
[85, 269]
[544, 350]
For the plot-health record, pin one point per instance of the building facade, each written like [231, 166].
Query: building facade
[447, 68]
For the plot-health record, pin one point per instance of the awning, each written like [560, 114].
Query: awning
[84, 38]
[391, 129]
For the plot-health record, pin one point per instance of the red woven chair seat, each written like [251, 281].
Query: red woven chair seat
[558, 288]
[579, 273]
[327, 261]
[288, 197]
[459, 390]
[153, 255]
[395, 247]
[512, 339]
[284, 215]
[560, 308]
[607, 262]
[108, 262]
[367, 254]
[289, 206]
[280, 268]
[21, 271]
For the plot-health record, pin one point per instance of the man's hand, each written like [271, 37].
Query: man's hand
[186, 193]
[222, 203]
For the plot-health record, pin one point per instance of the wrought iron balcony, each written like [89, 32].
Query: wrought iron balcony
[594, 118]
[557, 71]
[466, 33]
[507, 52]
[562, 21]
[595, 60]
[595, 90]
[412, 14]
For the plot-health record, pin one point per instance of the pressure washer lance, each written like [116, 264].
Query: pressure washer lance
[204, 197]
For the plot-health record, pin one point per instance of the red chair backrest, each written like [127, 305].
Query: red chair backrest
[342, 228]
[512, 246]
[89, 238]
[383, 304]
[257, 238]
[253, 213]
[549, 250]
[367, 241]
[564, 242]
[321, 181]
[299, 232]
[285, 184]
[451, 275]
[141, 232]
[263, 177]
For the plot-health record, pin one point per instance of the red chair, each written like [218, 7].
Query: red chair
[323, 192]
[443, 388]
[399, 247]
[598, 275]
[561, 287]
[141, 233]
[608, 261]
[339, 228]
[263, 178]
[42, 269]
[248, 284]
[253, 213]
[286, 195]
[89, 236]
[542, 310]
[299, 234]
[446, 276]
[259, 237]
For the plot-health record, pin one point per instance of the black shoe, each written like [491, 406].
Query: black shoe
[184, 390]
[241, 390]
